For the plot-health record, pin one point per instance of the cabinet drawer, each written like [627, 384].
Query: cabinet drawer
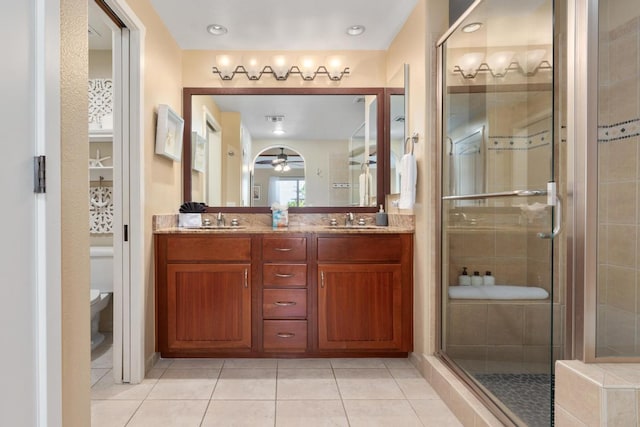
[360, 248]
[285, 335]
[284, 275]
[283, 303]
[208, 248]
[284, 249]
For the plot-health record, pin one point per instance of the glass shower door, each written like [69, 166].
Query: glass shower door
[498, 206]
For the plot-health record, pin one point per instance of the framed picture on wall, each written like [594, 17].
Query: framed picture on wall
[199, 150]
[169, 133]
[257, 192]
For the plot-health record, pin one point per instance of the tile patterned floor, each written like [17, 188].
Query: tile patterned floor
[270, 392]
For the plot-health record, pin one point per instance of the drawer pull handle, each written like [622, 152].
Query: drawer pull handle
[322, 279]
[285, 335]
[283, 249]
[284, 276]
[284, 303]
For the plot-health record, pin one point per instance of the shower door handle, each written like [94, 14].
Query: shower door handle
[515, 193]
[557, 227]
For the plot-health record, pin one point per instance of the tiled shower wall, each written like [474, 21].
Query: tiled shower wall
[619, 192]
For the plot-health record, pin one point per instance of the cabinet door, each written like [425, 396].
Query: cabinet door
[359, 306]
[208, 306]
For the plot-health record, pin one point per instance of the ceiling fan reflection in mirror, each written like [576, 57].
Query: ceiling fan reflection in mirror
[281, 162]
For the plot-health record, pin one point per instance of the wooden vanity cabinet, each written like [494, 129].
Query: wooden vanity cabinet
[365, 292]
[284, 293]
[203, 294]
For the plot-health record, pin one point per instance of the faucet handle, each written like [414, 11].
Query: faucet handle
[235, 222]
[361, 221]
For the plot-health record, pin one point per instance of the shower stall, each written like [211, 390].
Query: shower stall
[502, 299]
[540, 195]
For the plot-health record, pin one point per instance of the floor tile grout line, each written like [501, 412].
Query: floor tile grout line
[206, 409]
[346, 415]
[275, 400]
[134, 413]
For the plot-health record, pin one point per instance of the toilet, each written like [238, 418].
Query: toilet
[101, 287]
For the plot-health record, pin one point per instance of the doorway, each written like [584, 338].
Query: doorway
[119, 135]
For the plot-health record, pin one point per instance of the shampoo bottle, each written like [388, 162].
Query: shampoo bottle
[488, 279]
[464, 279]
[476, 279]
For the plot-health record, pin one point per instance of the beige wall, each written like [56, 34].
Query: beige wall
[163, 177]
[75, 239]
[618, 224]
[415, 45]
[100, 64]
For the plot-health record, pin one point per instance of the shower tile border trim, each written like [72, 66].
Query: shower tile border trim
[619, 131]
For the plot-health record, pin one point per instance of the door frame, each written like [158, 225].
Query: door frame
[129, 309]
[48, 221]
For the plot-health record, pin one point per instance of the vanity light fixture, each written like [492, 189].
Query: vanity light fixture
[472, 27]
[355, 30]
[280, 68]
[499, 64]
[216, 29]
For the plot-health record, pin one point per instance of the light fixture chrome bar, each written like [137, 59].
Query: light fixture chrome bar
[514, 66]
[321, 70]
[515, 193]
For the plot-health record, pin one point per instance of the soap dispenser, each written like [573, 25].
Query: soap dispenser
[464, 279]
[381, 217]
[476, 279]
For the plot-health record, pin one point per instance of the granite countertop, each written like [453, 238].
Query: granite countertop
[280, 230]
[298, 223]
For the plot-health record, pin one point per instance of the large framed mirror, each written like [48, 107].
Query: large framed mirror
[313, 149]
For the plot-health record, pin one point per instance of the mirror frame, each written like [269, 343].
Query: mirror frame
[383, 181]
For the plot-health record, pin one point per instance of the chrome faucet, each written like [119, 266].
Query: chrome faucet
[220, 220]
[349, 220]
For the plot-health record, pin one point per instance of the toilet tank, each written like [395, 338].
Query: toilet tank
[102, 268]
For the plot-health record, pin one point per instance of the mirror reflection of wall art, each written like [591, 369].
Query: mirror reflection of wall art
[199, 150]
[100, 105]
[169, 133]
[257, 192]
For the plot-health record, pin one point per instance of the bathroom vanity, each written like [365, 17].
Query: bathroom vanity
[272, 293]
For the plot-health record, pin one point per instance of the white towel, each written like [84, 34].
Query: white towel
[364, 185]
[408, 177]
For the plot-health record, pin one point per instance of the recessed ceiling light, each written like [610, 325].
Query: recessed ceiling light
[470, 28]
[217, 30]
[279, 132]
[355, 30]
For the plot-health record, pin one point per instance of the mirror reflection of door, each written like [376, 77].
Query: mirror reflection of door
[214, 167]
[396, 145]
[278, 177]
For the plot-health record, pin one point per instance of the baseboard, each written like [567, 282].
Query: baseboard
[469, 410]
[151, 361]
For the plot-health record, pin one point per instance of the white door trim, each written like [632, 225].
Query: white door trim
[133, 295]
[48, 221]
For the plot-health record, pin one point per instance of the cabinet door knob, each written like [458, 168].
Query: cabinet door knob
[285, 335]
[284, 303]
[283, 249]
[285, 276]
